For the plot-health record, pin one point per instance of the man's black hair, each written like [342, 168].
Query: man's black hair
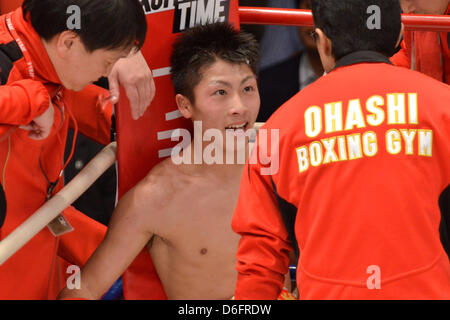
[201, 46]
[104, 24]
[345, 23]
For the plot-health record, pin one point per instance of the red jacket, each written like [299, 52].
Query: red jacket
[426, 52]
[26, 164]
[363, 197]
[9, 5]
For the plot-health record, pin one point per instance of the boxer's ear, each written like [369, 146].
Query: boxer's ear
[184, 105]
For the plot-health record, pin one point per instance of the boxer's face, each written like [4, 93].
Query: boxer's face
[226, 98]
[424, 6]
[75, 66]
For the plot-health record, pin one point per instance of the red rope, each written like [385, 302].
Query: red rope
[297, 17]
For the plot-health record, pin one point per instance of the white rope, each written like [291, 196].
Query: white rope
[63, 199]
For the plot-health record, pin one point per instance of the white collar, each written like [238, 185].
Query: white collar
[306, 72]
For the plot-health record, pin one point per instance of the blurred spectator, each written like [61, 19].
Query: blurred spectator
[280, 82]
[279, 42]
[256, 29]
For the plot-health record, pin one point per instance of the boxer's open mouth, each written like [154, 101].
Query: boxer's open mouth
[241, 126]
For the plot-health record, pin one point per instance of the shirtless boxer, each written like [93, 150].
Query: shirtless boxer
[182, 213]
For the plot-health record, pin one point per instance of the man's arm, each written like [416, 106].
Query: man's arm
[127, 234]
[136, 77]
[22, 101]
[263, 252]
[25, 104]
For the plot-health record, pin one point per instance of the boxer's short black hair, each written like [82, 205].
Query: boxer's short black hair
[201, 46]
[345, 22]
[104, 24]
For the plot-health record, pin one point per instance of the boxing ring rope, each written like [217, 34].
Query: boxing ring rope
[297, 17]
[63, 199]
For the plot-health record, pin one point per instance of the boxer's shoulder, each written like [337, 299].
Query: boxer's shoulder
[163, 181]
[168, 174]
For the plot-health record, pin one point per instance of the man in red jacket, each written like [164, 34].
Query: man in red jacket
[359, 160]
[47, 69]
[426, 52]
